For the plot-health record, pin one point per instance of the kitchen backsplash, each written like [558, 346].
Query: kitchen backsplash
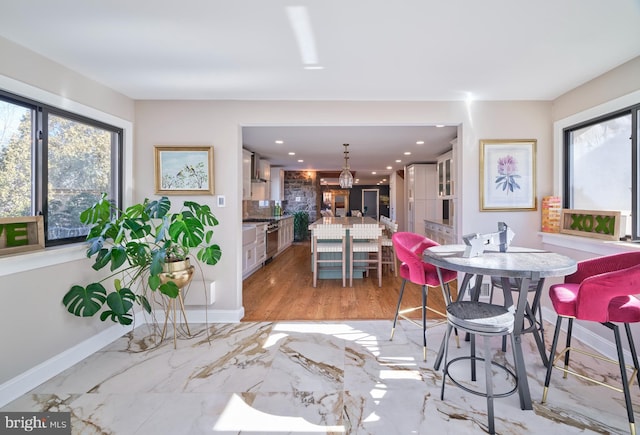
[260, 208]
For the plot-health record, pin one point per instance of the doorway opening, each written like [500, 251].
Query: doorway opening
[370, 203]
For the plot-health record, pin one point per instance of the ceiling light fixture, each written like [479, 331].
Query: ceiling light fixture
[346, 178]
[279, 142]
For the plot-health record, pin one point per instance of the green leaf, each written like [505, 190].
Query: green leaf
[123, 319]
[134, 211]
[137, 228]
[118, 257]
[157, 260]
[138, 253]
[188, 231]
[154, 282]
[102, 259]
[144, 302]
[170, 289]
[85, 302]
[95, 245]
[158, 209]
[121, 301]
[210, 255]
[100, 211]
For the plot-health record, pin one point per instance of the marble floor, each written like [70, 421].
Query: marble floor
[306, 377]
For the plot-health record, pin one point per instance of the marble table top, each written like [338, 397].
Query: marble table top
[517, 262]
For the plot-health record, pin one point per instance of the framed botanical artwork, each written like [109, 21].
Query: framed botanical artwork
[508, 175]
[184, 170]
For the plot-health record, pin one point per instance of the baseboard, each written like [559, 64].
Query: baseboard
[30, 379]
[26, 381]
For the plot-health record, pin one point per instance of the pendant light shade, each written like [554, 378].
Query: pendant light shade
[346, 178]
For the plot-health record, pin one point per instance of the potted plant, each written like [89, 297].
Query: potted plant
[300, 225]
[139, 244]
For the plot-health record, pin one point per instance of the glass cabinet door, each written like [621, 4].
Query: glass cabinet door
[441, 179]
[447, 178]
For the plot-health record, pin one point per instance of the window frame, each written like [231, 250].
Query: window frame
[39, 150]
[634, 112]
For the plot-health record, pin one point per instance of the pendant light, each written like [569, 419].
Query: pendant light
[346, 178]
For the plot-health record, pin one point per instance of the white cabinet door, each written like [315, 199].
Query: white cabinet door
[246, 174]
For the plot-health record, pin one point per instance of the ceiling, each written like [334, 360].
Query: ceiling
[409, 50]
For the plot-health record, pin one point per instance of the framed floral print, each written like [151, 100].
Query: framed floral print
[508, 175]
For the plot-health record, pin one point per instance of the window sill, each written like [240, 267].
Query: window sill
[587, 244]
[27, 261]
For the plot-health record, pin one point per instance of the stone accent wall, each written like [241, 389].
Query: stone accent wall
[301, 193]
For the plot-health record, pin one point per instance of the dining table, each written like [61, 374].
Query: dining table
[523, 264]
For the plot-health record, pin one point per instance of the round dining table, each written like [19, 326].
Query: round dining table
[523, 264]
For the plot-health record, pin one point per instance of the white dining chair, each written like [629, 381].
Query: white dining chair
[366, 238]
[330, 239]
[388, 250]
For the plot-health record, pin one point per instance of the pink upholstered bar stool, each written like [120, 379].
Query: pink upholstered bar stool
[601, 290]
[409, 248]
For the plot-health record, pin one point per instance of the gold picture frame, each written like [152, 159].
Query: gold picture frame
[184, 170]
[508, 175]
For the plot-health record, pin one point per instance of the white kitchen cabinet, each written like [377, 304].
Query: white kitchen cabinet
[440, 233]
[277, 184]
[261, 242]
[254, 249]
[265, 170]
[445, 175]
[421, 196]
[285, 233]
[261, 190]
[246, 174]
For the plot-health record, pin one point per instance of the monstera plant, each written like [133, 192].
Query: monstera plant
[137, 244]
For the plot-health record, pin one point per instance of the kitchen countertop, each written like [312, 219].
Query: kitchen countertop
[444, 222]
[267, 218]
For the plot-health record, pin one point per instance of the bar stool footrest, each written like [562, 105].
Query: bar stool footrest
[509, 372]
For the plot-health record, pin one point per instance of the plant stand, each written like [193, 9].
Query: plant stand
[171, 311]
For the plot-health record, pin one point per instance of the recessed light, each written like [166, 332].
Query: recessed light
[420, 142]
[373, 173]
[279, 141]
[407, 153]
[439, 125]
[291, 153]
[312, 67]
[389, 167]
[384, 179]
[398, 161]
[300, 161]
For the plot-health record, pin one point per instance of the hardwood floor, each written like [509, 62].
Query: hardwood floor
[283, 290]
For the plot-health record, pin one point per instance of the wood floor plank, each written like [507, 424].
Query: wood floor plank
[283, 290]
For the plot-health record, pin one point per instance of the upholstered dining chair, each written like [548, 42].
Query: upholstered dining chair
[367, 239]
[601, 290]
[330, 239]
[409, 248]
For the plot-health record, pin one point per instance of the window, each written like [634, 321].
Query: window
[56, 164]
[601, 166]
